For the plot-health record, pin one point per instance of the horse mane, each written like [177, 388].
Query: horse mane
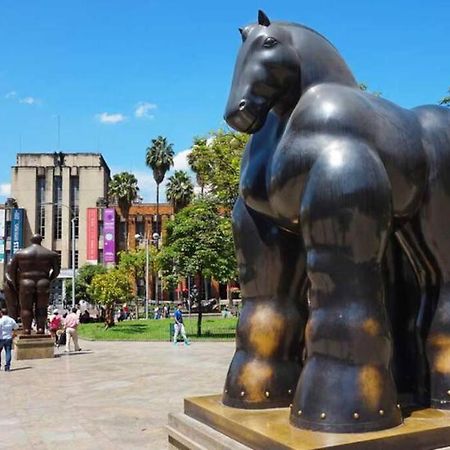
[305, 27]
[335, 69]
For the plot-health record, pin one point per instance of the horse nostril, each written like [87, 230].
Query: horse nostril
[242, 105]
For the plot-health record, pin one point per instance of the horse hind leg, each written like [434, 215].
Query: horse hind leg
[417, 317]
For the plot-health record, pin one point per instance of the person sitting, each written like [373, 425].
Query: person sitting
[85, 317]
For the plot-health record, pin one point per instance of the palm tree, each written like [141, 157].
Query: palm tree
[159, 158]
[446, 100]
[124, 189]
[199, 164]
[180, 190]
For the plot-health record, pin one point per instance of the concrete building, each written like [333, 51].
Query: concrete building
[51, 189]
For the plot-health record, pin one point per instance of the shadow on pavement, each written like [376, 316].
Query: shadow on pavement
[82, 352]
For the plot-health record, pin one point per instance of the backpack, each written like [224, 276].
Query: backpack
[55, 323]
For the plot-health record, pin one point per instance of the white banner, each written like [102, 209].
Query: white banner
[2, 236]
[2, 223]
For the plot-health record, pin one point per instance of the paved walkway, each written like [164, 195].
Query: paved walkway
[112, 395]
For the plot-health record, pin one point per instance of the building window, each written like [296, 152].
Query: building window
[40, 207]
[59, 257]
[140, 226]
[57, 195]
[75, 203]
[76, 260]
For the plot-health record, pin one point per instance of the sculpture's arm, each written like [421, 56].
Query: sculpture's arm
[11, 273]
[56, 268]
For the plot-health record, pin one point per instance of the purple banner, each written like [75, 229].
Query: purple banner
[109, 233]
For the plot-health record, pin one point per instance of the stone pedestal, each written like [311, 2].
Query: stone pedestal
[207, 423]
[33, 346]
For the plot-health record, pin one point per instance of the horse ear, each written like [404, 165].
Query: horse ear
[263, 19]
[244, 33]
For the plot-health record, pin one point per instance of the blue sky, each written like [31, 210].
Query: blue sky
[119, 73]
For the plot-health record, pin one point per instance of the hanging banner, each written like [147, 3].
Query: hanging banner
[2, 236]
[109, 233]
[17, 229]
[92, 236]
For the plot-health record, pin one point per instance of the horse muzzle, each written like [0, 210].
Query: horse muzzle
[242, 118]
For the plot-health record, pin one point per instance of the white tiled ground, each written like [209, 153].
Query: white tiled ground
[112, 395]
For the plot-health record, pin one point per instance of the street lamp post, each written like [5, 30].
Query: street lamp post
[147, 289]
[146, 242]
[73, 244]
[155, 241]
[73, 258]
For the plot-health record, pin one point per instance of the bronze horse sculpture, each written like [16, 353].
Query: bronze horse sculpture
[331, 178]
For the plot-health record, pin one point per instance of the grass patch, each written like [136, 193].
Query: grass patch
[158, 330]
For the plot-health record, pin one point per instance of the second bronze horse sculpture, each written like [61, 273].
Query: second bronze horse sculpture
[330, 178]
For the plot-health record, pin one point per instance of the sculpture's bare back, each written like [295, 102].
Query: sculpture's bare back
[29, 276]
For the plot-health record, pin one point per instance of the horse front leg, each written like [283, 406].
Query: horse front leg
[346, 384]
[267, 362]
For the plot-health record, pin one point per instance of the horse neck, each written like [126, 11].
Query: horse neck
[319, 59]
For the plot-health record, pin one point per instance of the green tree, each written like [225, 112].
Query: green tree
[365, 88]
[124, 189]
[159, 158]
[445, 101]
[82, 282]
[216, 161]
[133, 263]
[109, 288]
[199, 241]
[179, 190]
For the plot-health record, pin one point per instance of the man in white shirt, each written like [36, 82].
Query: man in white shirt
[7, 328]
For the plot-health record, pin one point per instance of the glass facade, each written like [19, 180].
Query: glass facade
[75, 203]
[40, 207]
[57, 210]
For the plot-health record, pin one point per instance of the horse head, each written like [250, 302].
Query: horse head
[267, 69]
[276, 63]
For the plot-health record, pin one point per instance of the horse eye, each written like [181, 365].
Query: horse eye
[270, 42]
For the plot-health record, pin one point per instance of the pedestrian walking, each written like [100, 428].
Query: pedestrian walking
[7, 327]
[71, 324]
[54, 324]
[179, 326]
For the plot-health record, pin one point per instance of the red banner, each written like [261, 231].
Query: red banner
[92, 236]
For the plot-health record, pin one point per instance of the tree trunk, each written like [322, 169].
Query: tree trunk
[157, 208]
[199, 318]
[109, 317]
[229, 296]
[157, 293]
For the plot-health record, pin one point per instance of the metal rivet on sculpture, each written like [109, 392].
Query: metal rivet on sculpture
[28, 278]
[343, 196]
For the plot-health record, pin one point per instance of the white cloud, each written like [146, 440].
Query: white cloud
[180, 161]
[29, 100]
[5, 189]
[110, 118]
[142, 110]
[11, 94]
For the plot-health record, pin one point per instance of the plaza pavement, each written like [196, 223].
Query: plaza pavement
[111, 395]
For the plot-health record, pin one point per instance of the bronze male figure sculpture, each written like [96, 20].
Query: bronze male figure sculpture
[330, 176]
[28, 278]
